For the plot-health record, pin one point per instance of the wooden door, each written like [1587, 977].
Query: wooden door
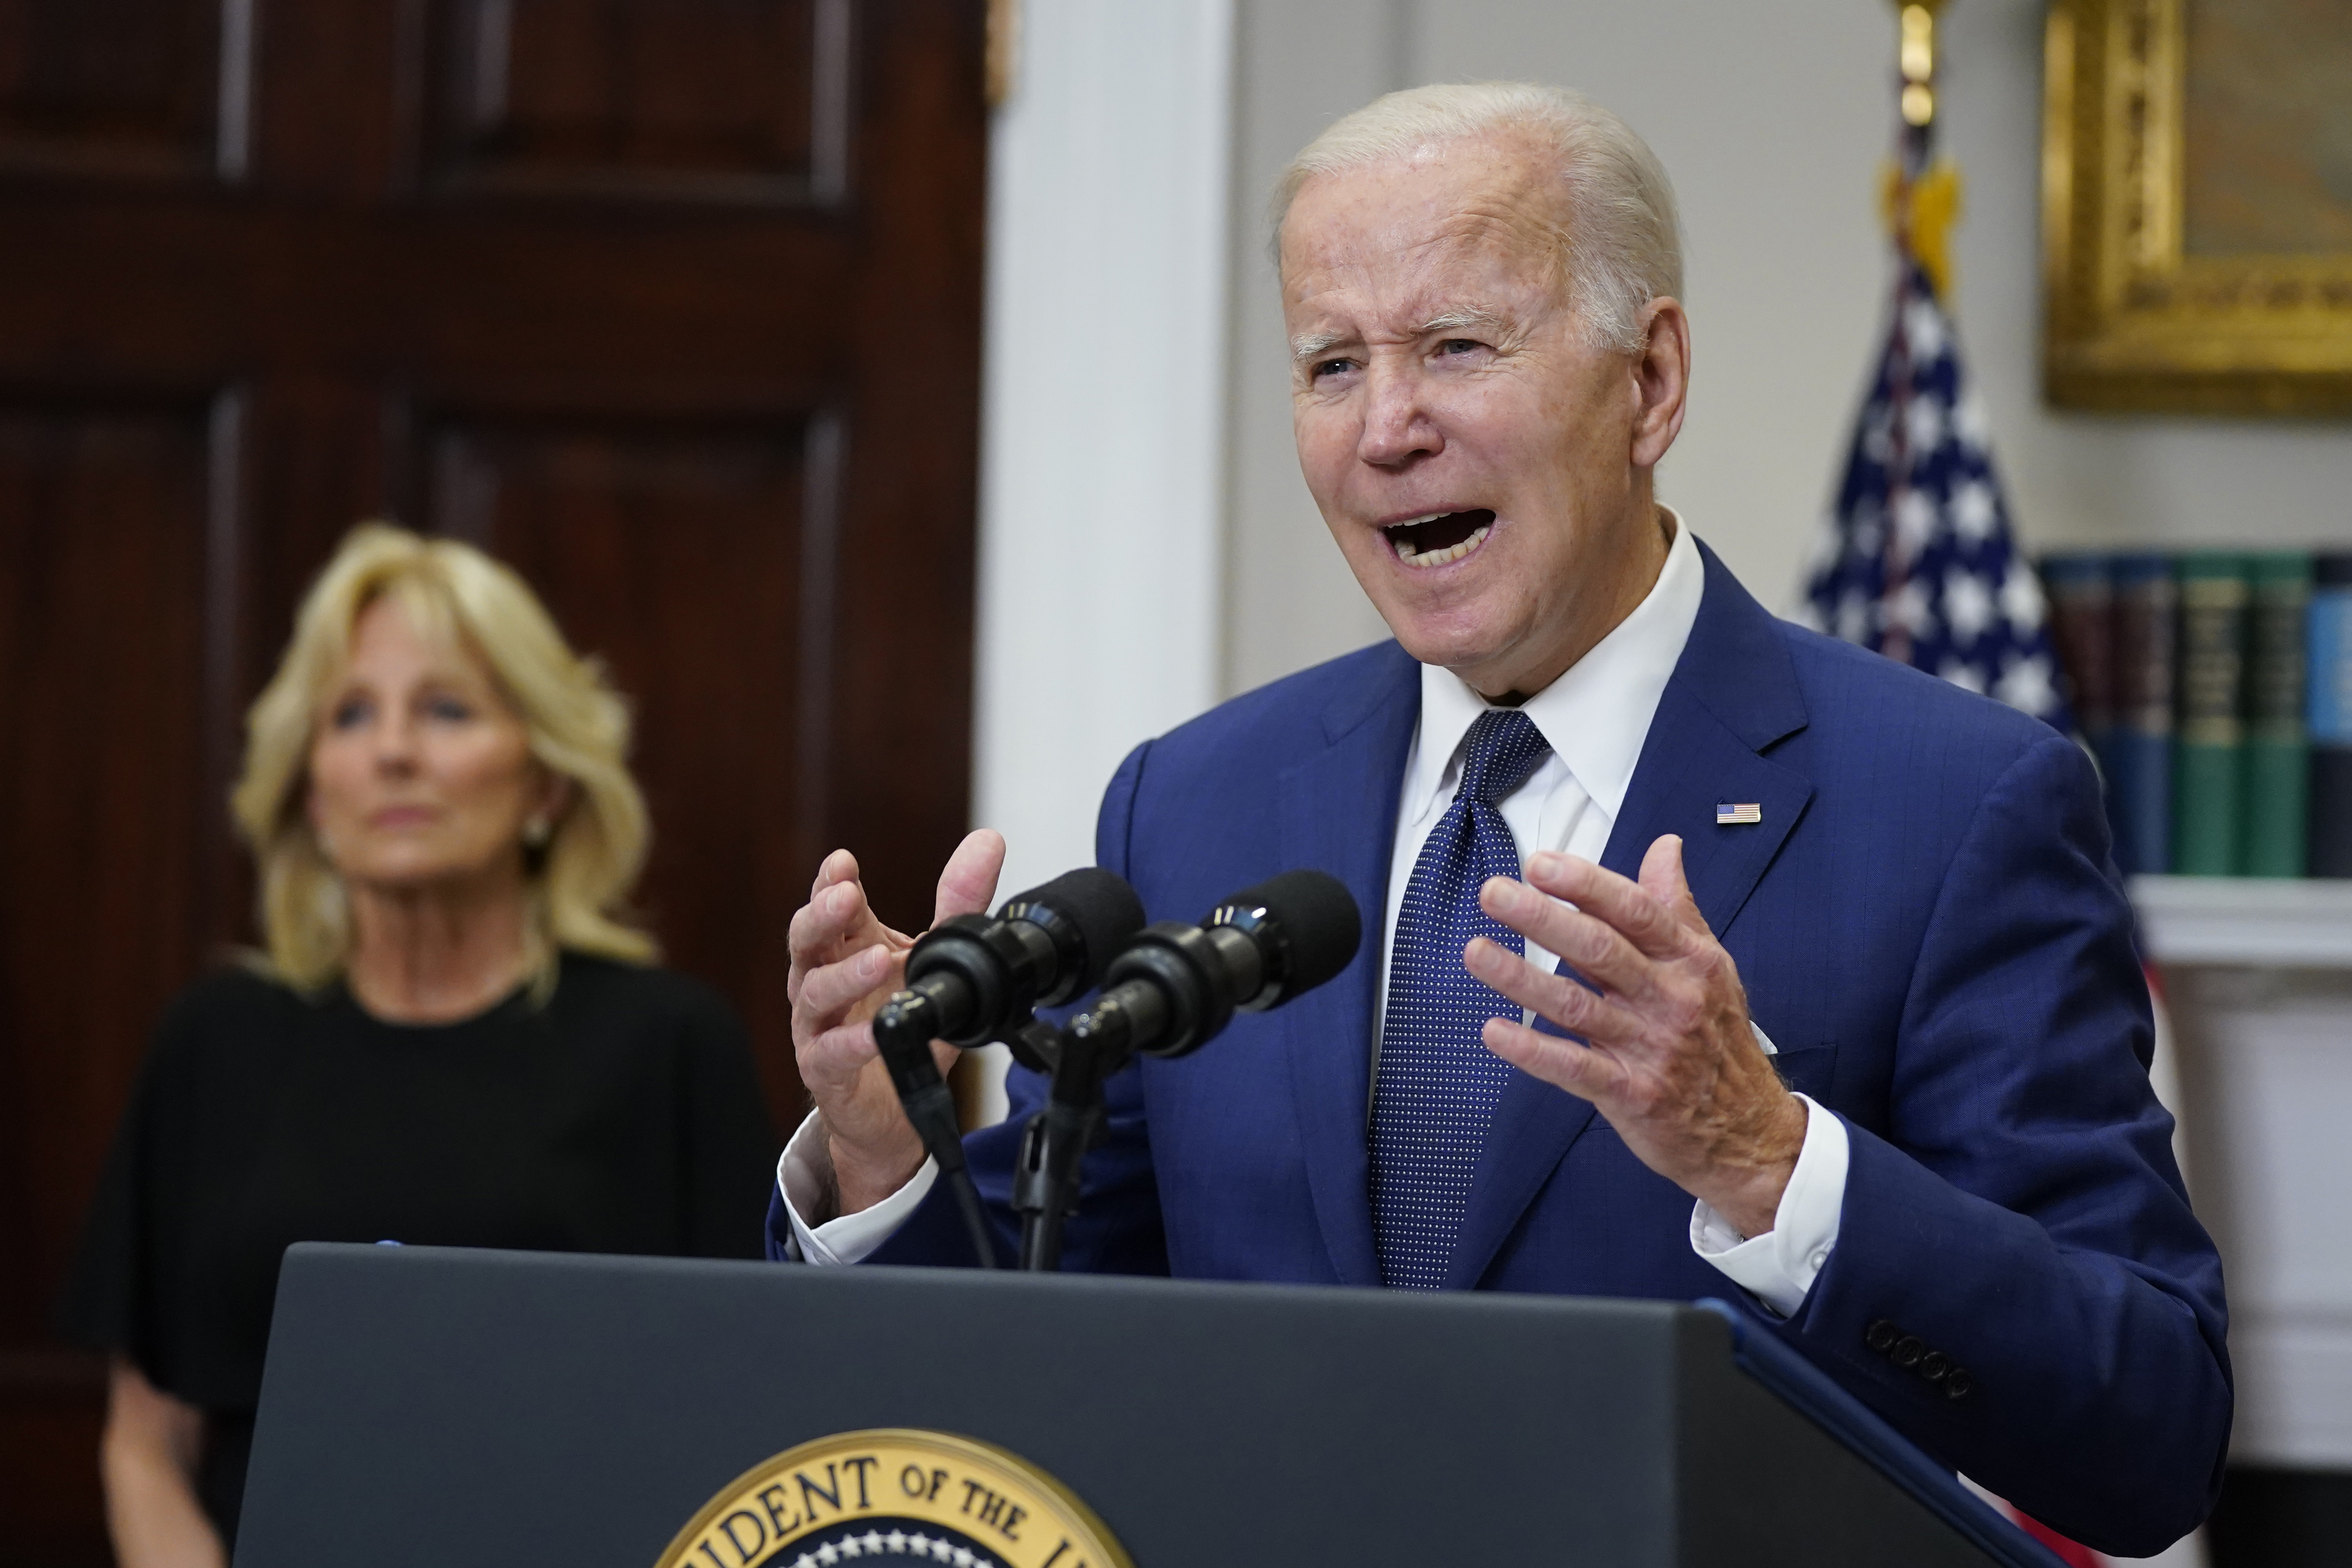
[673, 304]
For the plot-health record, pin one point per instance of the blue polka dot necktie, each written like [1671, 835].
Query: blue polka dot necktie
[1438, 1085]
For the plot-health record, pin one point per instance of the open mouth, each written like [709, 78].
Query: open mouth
[1439, 537]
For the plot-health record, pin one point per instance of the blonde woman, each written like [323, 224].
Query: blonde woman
[456, 1036]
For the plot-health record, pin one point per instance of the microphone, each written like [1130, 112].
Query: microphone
[1167, 994]
[1177, 987]
[971, 979]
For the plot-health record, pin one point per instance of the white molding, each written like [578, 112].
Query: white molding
[1104, 397]
[1101, 511]
[2284, 924]
[2294, 1376]
[2262, 1053]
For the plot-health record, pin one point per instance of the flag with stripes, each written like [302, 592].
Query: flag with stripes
[1917, 561]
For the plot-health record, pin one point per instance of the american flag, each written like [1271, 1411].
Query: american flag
[1917, 560]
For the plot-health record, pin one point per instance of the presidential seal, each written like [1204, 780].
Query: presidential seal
[891, 1496]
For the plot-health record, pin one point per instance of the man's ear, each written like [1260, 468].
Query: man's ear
[1661, 379]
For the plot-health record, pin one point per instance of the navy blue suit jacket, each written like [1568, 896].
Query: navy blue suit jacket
[1929, 928]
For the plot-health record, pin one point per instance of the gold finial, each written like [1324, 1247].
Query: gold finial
[1918, 61]
[1919, 196]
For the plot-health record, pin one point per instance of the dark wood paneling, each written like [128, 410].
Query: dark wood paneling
[696, 99]
[698, 306]
[109, 86]
[102, 535]
[901, 727]
[676, 555]
[103, 858]
[48, 1486]
[677, 309]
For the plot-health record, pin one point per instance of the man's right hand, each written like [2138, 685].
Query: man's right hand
[845, 962]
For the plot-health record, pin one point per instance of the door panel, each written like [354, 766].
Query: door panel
[708, 98]
[109, 86]
[679, 554]
[105, 851]
[102, 535]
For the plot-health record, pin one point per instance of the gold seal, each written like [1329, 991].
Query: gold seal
[894, 1495]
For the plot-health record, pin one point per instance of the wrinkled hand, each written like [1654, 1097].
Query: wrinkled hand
[1672, 1061]
[845, 963]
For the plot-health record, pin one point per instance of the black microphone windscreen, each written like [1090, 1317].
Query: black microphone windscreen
[1099, 904]
[1317, 916]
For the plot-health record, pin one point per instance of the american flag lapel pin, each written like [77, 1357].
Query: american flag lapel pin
[1727, 815]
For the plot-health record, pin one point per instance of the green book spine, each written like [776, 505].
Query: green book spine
[2208, 764]
[2278, 755]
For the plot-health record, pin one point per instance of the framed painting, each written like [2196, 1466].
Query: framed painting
[2197, 205]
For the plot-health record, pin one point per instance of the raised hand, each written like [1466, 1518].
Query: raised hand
[845, 961]
[1671, 1059]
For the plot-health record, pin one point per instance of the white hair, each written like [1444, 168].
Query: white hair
[1621, 242]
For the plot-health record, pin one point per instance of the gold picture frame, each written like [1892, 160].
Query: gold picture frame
[2175, 281]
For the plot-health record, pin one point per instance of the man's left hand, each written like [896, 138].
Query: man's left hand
[1671, 1059]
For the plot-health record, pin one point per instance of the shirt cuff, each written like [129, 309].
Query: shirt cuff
[1779, 1266]
[804, 1174]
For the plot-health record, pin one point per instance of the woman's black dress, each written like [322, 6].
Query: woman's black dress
[624, 1116]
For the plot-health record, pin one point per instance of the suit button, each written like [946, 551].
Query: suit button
[1934, 1365]
[1907, 1351]
[1879, 1335]
[1956, 1383]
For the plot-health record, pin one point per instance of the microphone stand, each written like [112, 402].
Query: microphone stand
[1172, 989]
[903, 1030]
[1096, 1044]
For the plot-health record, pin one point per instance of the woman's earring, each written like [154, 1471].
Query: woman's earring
[537, 831]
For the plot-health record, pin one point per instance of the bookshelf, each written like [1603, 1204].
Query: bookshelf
[2246, 921]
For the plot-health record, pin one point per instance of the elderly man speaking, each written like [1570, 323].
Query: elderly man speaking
[1830, 983]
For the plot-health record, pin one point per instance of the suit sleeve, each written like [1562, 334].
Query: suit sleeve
[2024, 1216]
[1117, 1228]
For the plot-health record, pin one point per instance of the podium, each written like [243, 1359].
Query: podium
[453, 1407]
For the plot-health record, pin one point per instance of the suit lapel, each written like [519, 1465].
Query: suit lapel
[1701, 765]
[1733, 692]
[1338, 814]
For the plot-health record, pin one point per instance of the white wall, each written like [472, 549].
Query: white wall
[1289, 600]
[1102, 454]
[1771, 120]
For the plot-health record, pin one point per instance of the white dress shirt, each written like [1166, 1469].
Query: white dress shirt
[1596, 717]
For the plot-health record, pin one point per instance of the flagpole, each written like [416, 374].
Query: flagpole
[1917, 560]
[1915, 56]
[1916, 143]
[1915, 148]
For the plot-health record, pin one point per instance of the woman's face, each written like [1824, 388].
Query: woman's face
[420, 773]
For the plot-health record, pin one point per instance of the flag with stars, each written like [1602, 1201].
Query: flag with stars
[1917, 560]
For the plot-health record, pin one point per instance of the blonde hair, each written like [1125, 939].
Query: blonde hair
[578, 727]
[1621, 246]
